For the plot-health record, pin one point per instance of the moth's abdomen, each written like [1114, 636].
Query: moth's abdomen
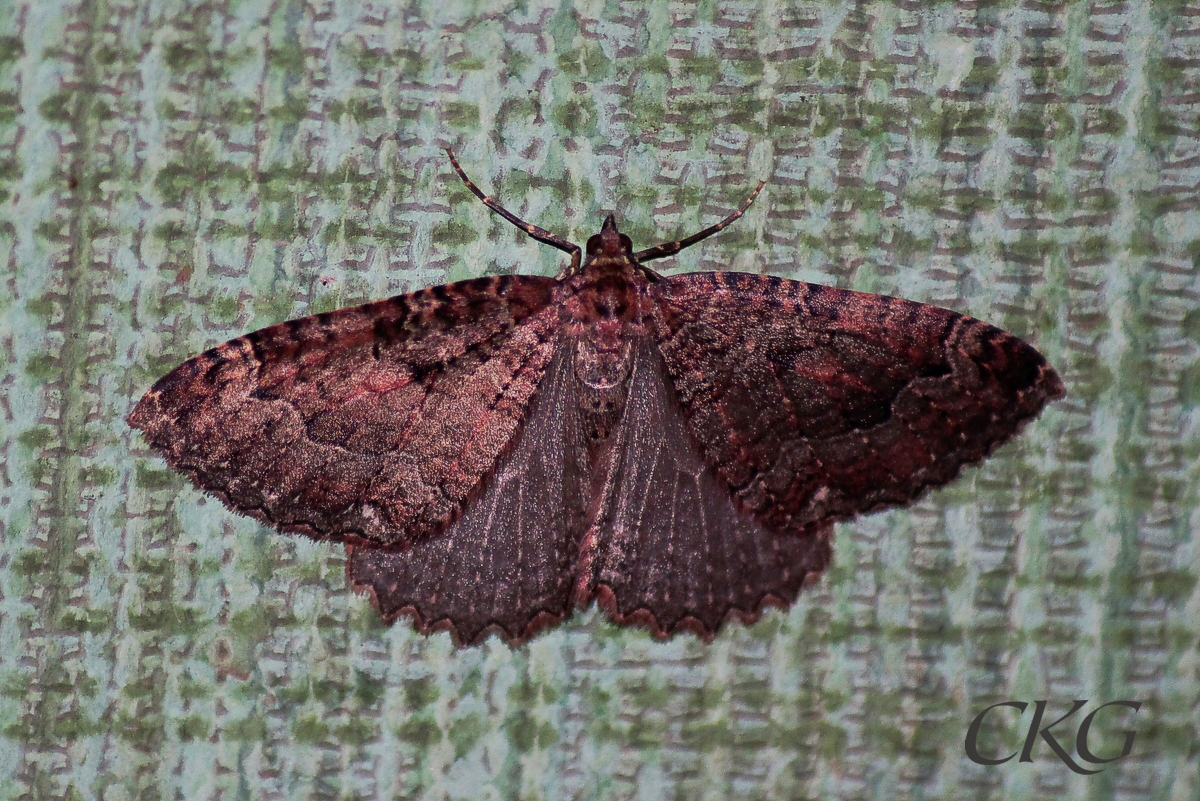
[603, 375]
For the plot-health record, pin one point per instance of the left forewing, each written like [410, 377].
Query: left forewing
[371, 424]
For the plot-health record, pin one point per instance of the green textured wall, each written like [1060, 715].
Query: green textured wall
[174, 174]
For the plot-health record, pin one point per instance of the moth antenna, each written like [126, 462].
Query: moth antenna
[540, 234]
[669, 248]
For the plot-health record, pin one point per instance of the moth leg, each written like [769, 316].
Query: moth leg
[540, 234]
[669, 248]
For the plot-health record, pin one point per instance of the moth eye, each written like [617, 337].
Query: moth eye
[594, 245]
[626, 243]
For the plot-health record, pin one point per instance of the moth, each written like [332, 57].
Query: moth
[497, 452]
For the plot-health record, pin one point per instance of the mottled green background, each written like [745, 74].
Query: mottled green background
[174, 174]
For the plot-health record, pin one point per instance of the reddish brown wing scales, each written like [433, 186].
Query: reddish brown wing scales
[373, 424]
[815, 404]
[445, 437]
[670, 550]
[508, 564]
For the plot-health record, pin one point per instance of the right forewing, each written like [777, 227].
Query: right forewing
[815, 404]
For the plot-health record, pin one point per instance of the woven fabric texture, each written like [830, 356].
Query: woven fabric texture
[174, 174]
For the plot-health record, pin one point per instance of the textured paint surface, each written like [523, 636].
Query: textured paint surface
[173, 175]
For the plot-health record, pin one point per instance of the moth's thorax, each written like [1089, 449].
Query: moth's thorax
[604, 312]
[606, 301]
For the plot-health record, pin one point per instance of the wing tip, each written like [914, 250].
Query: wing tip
[146, 416]
[1050, 384]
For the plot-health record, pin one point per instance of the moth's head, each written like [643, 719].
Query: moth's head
[610, 241]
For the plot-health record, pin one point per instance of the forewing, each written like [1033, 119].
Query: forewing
[814, 404]
[668, 548]
[372, 424]
[508, 563]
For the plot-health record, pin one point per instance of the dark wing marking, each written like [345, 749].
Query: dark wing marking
[372, 424]
[815, 404]
[668, 548]
[508, 563]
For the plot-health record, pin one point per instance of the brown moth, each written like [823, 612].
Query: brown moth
[497, 452]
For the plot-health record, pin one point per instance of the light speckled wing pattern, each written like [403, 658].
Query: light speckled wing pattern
[508, 563]
[668, 548]
[815, 404]
[362, 425]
